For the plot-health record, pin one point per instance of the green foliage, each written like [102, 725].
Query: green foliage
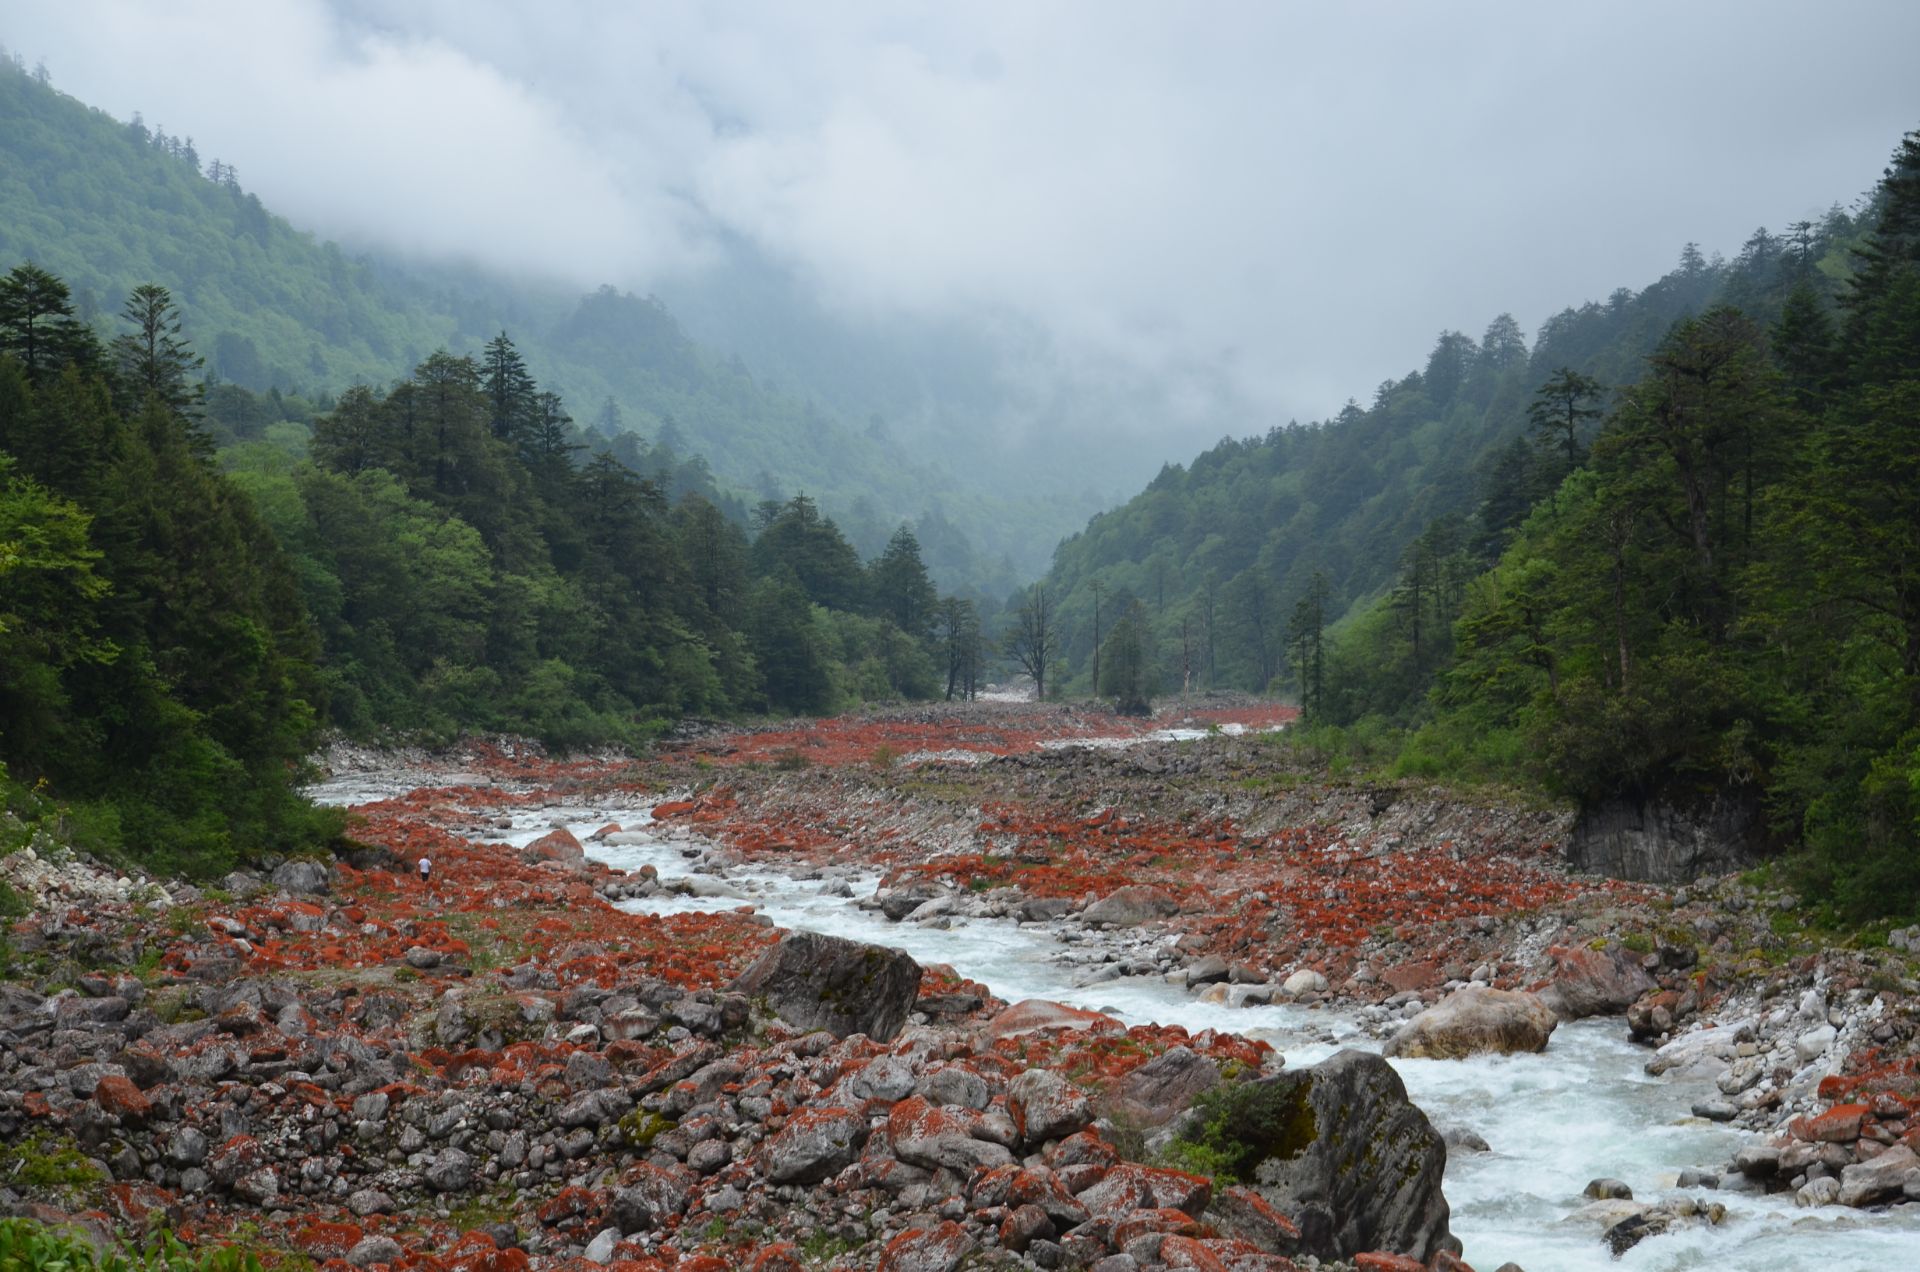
[160, 671]
[29, 1246]
[1126, 673]
[1721, 600]
[1238, 1125]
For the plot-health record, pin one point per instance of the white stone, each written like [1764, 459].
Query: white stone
[1305, 981]
[1813, 1044]
[600, 1249]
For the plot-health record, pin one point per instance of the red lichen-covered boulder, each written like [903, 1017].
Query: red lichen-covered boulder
[322, 1241]
[1032, 1015]
[557, 845]
[1589, 982]
[1161, 1219]
[1838, 1125]
[1379, 1261]
[784, 1257]
[1129, 1187]
[938, 1249]
[1023, 1226]
[1200, 1254]
[1244, 1213]
[120, 1097]
[928, 1135]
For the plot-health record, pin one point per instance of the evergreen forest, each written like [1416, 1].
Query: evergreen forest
[447, 556]
[1665, 554]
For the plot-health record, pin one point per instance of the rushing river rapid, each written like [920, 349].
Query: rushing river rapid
[1583, 1109]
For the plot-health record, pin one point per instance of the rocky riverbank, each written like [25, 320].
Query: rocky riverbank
[505, 1070]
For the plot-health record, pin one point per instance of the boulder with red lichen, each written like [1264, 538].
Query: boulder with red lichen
[1589, 982]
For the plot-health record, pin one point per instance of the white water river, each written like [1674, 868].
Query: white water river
[1583, 1109]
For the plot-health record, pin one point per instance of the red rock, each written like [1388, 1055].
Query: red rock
[927, 1250]
[1035, 1014]
[120, 1097]
[704, 1263]
[1023, 1226]
[1444, 1262]
[1406, 976]
[1195, 1254]
[1129, 1186]
[784, 1257]
[138, 1203]
[1157, 1219]
[557, 845]
[476, 1252]
[322, 1240]
[672, 808]
[1085, 1148]
[1838, 1125]
[1379, 1261]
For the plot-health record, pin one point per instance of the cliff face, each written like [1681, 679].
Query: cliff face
[1652, 840]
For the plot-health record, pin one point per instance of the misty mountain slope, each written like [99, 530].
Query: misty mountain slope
[1222, 550]
[109, 205]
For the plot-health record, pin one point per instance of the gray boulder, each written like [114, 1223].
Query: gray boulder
[1163, 1087]
[813, 1145]
[828, 982]
[450, 1171]
[1474, 1020]
[371, 1250]
[1342, 1151]
[1590, 982]
[301, 876]
[1130, 906]
[656, 1196]
[1882, 1178]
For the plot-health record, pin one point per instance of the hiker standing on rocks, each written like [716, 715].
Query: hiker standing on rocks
[426, 870]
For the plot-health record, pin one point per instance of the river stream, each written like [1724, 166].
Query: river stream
[1583, 1109]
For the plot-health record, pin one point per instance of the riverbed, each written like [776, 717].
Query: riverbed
[1583, 1109]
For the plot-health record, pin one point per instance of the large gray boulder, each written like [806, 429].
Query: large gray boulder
[814, 1144]
[1130, 906]
[1341, 1151]
[1473, 1020]
[828, 982]
[302, 876]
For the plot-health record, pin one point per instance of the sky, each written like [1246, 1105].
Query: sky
[1277, 203]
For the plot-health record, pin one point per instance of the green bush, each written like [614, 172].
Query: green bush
[27, 1246]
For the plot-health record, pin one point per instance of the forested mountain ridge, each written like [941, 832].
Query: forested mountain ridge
[1219, 553]
[1668, 571]
[108, 205]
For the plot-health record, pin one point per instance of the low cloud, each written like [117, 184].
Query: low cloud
[1273, 205]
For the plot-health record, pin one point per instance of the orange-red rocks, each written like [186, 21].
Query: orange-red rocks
[120, 1097]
